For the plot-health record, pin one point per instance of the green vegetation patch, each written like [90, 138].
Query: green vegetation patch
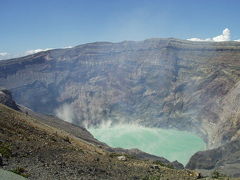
[5, 150]
[151, 177]
[217, 175]
[163, 164]
[112, 155]
[20, 171]
[67, 139]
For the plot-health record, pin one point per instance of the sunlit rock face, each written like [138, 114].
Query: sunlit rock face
[191, 86]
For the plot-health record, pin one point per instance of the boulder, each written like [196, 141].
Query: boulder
[122, 158]
[177, 165]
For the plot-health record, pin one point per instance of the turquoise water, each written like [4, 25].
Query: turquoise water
[171, 144]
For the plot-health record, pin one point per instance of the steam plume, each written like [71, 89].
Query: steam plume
[65, 112]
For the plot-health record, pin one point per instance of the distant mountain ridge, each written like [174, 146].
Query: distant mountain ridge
[167, 83]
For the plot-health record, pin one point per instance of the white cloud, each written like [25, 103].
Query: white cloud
[225, 36]
[36, 51]
[197, 39]
[67, 47]
[3, 53]
[238, 40]
[40, 50]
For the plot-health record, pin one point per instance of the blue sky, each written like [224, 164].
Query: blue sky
[39, 24]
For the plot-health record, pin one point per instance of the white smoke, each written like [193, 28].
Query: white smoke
[225, 36]
[106, 124]
[65, 112]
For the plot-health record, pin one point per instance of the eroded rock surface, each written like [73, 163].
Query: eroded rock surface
[224, 159]
[6, 99]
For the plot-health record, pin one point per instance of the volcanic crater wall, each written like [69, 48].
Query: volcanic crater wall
[157, 82]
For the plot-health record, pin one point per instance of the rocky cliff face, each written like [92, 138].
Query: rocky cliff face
[224, 159]
[6, 99]
[169, 83]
